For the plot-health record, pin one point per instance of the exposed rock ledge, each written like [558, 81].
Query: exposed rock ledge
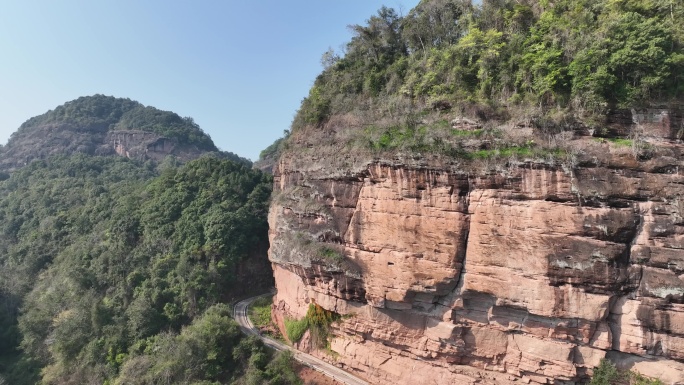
[64, 139]
[532, 276]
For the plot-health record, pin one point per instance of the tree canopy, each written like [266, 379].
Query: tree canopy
[586, 56]
[104, 113]
[113, 273]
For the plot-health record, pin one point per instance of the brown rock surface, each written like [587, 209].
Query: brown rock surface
[48, 140]
[530, 274]
[146, 145]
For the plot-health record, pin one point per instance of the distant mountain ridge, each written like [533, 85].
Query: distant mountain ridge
[106, 125]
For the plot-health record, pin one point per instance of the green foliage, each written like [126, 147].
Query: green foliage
[319, 317]
[210, 350]
[260, 311]
[331, 254]
[620, 142]
[406, 137]
[605, 374]
[270, 155]
[440, 138]
[583, 55]
[273, 150]
[202, 351]
[278, 371]
[167, 124]
[295, 329]
[638, 379]
[103, 113]
[317, 321]
[87, 110]
[133, 267]
[315, 108]
[397, 137]
[435, 24]
[525, 151]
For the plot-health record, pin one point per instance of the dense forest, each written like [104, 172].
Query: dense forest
[551, 65]
[121, 271]
[577, 54]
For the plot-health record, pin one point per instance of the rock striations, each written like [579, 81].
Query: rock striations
[49, 140]
[529, 274]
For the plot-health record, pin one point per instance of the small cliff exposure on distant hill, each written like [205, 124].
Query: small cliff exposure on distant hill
[104, 125]
[474, 218]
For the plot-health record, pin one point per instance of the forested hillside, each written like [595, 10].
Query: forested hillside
[105, 125]
[110, 113]
[578, 54]
[120, 271]
[552, 66]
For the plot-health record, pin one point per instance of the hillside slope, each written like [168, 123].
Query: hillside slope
[118, 269]
[105, 125]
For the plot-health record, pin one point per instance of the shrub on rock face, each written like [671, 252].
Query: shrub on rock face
[608, 374]
[295, 329]
[317, 321]
[638, 379]
[605, 374]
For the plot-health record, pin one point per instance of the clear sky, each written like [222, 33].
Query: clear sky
[240, 68]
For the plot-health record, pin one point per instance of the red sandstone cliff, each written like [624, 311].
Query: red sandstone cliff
[528, 272]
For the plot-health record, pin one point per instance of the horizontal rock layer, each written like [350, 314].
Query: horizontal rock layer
[49, 140]
[532, 274]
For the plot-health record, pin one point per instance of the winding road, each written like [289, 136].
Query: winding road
[242, 318]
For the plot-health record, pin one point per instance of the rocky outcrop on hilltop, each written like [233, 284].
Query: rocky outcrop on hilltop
[522, 272]
[104, 125]
[146, 145]
[63, 140]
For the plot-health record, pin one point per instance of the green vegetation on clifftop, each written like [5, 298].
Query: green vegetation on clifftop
[578, 54]
[527, 73]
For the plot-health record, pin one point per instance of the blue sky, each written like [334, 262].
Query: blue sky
[240, 68]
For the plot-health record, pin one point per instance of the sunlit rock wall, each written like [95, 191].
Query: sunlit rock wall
[531, 273]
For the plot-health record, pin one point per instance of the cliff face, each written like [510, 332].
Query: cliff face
[147, 145]
[532, 272]
[105, 125]
[53, 139]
